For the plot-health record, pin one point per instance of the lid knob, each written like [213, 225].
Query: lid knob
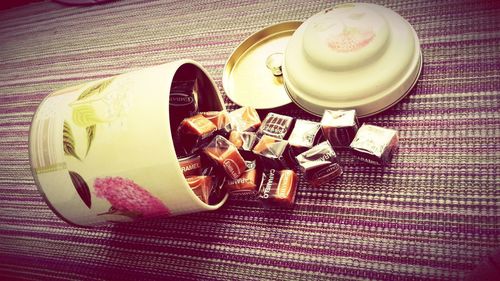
[274, 62]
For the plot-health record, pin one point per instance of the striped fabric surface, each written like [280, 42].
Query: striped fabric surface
[433, 214]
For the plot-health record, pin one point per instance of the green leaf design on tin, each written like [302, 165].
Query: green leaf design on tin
[131, 215]
[113, 211]
[90, 136]
[69, 141]
[81, 188]
[95, 89]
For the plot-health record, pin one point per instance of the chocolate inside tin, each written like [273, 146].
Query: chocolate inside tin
[246, 183]
[225, 155]
[191, 93]
[190, 165]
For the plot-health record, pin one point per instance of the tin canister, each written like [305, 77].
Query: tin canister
[103, 151]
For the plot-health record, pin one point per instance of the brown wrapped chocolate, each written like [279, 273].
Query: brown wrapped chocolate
[194, 131]
[244, 141]
[220, 119]
[226, 156]
[245, 119]
[201, 186]
[272, 153]
[190, 165]
[246, 183]
[305, 134]
[275, 125]
[339, 126]
[197, 125]
[319, 164]
[375, 145]
[183, 101]
[218, 180]
[278, 188]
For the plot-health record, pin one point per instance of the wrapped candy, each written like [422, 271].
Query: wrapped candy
[319, 164]
[194, 132]
[225, 155]
[246, 183]
[218, 180]
[220, 119]
[278, 188]
[201, 186]
[375, 145]
[339, 126]
[190, 165]
[275, 125]
[183, 101]
[305, 135]
[272, 153]
[244, 141]
[245, 119]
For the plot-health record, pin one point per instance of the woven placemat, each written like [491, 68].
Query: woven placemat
[432, 214]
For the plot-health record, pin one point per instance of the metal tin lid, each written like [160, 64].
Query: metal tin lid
[252, 74]
[358, 56]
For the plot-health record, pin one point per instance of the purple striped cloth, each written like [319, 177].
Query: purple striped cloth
[433, 214]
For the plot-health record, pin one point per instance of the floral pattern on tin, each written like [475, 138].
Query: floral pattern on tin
[128, 198]
[350, 39]
[99, 103]
[345, 31]
[96, 105]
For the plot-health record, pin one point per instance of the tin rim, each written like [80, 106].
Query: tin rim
[196, 200]
[415, 80]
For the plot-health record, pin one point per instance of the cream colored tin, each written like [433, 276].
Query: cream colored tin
[103, 151]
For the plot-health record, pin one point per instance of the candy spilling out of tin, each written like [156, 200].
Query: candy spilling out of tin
[238, 153]
[319, 164]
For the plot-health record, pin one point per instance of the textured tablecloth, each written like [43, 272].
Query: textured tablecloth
[432, 214]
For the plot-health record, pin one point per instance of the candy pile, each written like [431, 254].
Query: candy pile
[238, 153]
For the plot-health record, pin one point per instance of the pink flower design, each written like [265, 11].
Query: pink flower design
[351, 39]
[128, 197]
